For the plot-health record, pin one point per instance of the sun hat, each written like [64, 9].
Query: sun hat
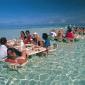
[35, 33]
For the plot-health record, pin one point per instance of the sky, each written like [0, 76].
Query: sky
[35, 12]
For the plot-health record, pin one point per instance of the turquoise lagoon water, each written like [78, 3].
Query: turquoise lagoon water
[14, 33]
[65, 66]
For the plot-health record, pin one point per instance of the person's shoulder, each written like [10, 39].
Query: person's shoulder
[4, 47]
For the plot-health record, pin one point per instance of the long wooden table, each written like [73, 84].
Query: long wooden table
[31, 51]
[35, 51]
[29, 48]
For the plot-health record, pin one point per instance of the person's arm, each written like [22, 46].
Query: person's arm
[23, 58]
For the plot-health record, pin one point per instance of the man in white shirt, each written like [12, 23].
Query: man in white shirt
[3, 48]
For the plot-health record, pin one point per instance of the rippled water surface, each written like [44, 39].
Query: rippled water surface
[65, 66]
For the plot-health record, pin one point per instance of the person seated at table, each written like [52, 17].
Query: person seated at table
[41, 43]
[3, 48]
[46, 40]
[22, 35]
[52, 34]
[35, 42]
[37, 39]
[13, 57]
[60, 35]
[25, 40]
[28, 36]
[69, 35]
[38, 43]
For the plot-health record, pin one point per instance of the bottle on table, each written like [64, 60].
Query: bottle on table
[22, 46]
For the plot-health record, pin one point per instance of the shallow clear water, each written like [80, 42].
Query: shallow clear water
[65, 66]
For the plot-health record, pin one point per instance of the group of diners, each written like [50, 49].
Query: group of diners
[13, 55]
[35, 38]
[79, 30]
[10, 54]
[69, 35]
